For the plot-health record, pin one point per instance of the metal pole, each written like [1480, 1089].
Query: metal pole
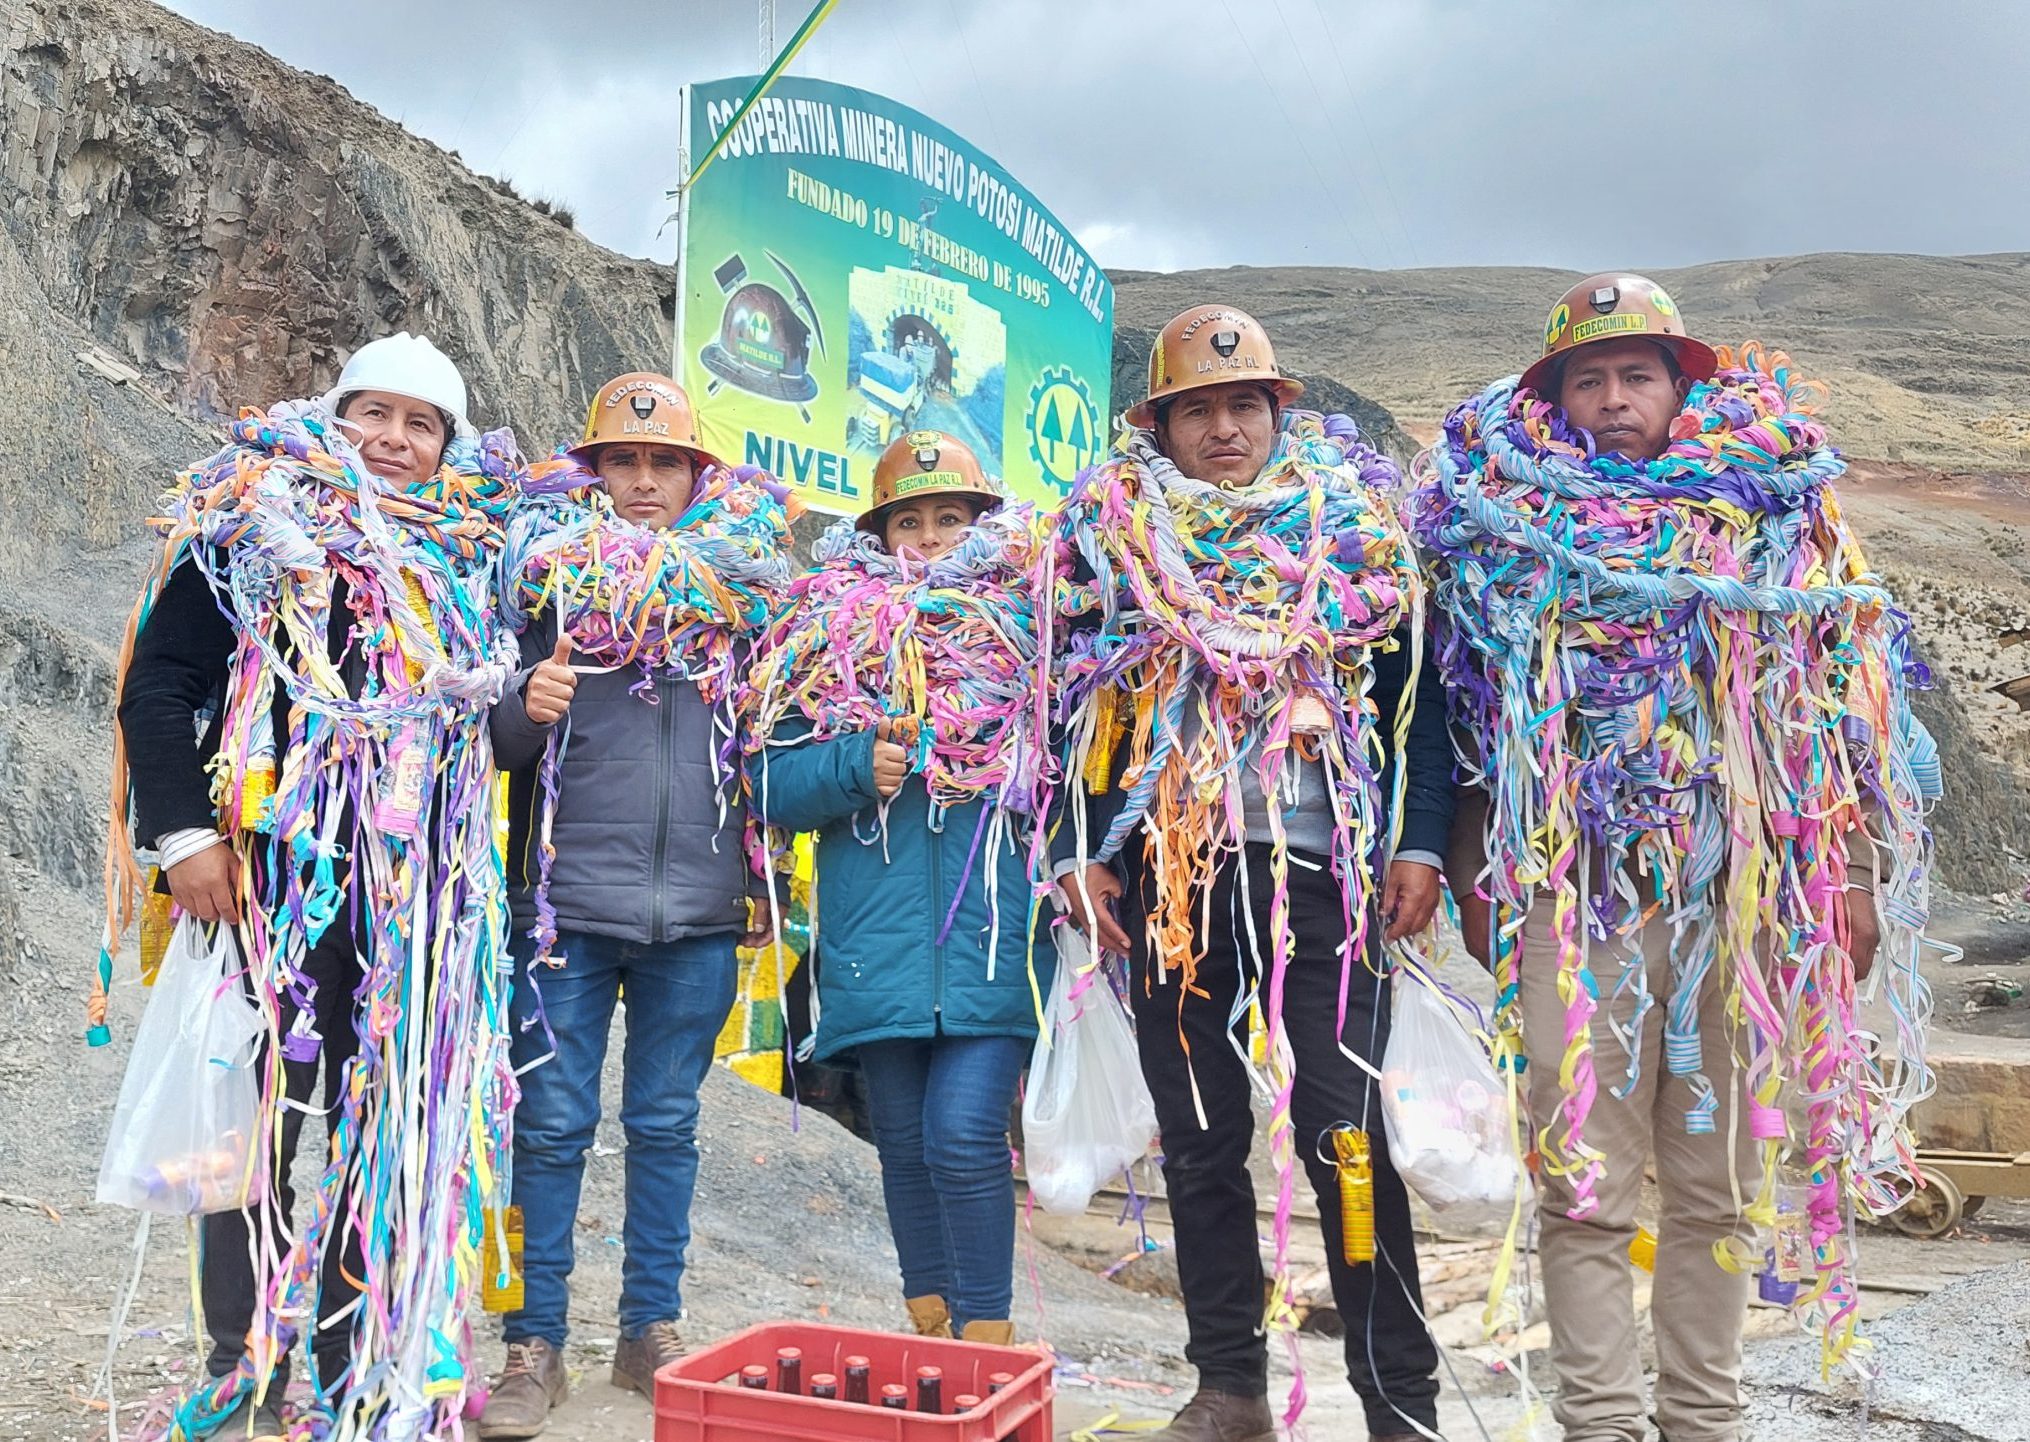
[767, 34]
[683, 231]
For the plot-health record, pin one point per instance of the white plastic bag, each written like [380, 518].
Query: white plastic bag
[1086, 1115]
[189, 1107]
[1450, 1135]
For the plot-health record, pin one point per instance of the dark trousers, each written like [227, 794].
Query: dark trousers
[1390, 1357]
[228, 1282]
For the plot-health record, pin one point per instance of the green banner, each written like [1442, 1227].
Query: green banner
[852, 270]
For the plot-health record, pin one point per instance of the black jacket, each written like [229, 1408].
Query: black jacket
[176, 678]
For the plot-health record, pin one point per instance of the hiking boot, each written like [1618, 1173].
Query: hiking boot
[929, 1316]
[637, 1359]
[527, 1388]
[1222, 1417]
[999, 1334]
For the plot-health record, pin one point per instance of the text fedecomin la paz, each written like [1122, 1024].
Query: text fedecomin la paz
[797, 126]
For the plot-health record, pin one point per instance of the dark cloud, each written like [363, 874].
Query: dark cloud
[1576, 133]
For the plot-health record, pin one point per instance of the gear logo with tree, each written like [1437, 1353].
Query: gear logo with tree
[1064, 428]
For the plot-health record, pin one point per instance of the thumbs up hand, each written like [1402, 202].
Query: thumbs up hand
[891, 762]
[547, 696]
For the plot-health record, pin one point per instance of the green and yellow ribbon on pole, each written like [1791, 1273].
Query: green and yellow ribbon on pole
[781, 63]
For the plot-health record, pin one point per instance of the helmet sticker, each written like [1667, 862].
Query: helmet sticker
[945, 480]
[1554, 331]
[1601, 325]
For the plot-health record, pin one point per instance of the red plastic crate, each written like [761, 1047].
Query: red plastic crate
[697, 1400]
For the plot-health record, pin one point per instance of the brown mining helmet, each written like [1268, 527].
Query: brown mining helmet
[1617, 306]
[641, 408]
[926, 463]
[1210, 345]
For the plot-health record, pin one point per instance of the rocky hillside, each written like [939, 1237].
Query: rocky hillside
[187, 225]
[223, 229]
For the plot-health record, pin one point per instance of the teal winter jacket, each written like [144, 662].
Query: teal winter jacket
[901, 930]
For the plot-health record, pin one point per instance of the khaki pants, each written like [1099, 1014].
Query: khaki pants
[1696, 1308]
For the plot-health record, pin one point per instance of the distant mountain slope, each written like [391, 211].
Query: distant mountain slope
[1927, 357]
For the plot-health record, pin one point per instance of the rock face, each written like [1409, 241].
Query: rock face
[1983, 1099]
[180, 210]
[234, 228]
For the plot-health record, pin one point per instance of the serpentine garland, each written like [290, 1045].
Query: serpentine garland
[1688, 698]
[949, 645]
[375, 804]
[687, 600]
[1216, 629]
[945, 649]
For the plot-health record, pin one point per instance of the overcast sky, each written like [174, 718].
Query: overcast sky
[1183, 133]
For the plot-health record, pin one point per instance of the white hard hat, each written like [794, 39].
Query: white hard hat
[405, 365]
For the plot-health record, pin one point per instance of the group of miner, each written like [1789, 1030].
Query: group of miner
[652, 893]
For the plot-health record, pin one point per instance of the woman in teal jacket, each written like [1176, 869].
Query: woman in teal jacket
[926, 971]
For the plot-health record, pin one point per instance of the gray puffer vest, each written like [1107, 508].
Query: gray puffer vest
[643, 851]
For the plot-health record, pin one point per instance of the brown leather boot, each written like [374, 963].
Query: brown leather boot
[1222, 1417]
[929, 1316]
[637, 1359]
[999, 1334]
[527, 1388]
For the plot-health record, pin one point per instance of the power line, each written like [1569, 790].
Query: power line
[993, 129]
[1367, 134]
[1291, 127]
[1365, 201]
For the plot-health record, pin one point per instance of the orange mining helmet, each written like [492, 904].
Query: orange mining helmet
[926, 463]
[1210, 345]
[641, 408]
[1617, 306]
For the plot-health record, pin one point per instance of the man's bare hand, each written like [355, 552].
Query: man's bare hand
[761, 924]
[1097, 922]
[547, 696]
[207, 885]
[1409, 896]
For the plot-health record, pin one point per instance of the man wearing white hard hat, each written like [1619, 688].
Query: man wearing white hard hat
[401, 402]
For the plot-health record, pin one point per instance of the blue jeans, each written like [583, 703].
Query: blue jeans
[678, 996]
[940, 1113]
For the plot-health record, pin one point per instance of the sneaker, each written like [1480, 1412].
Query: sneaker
[527, 1388]
[637, 1359]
